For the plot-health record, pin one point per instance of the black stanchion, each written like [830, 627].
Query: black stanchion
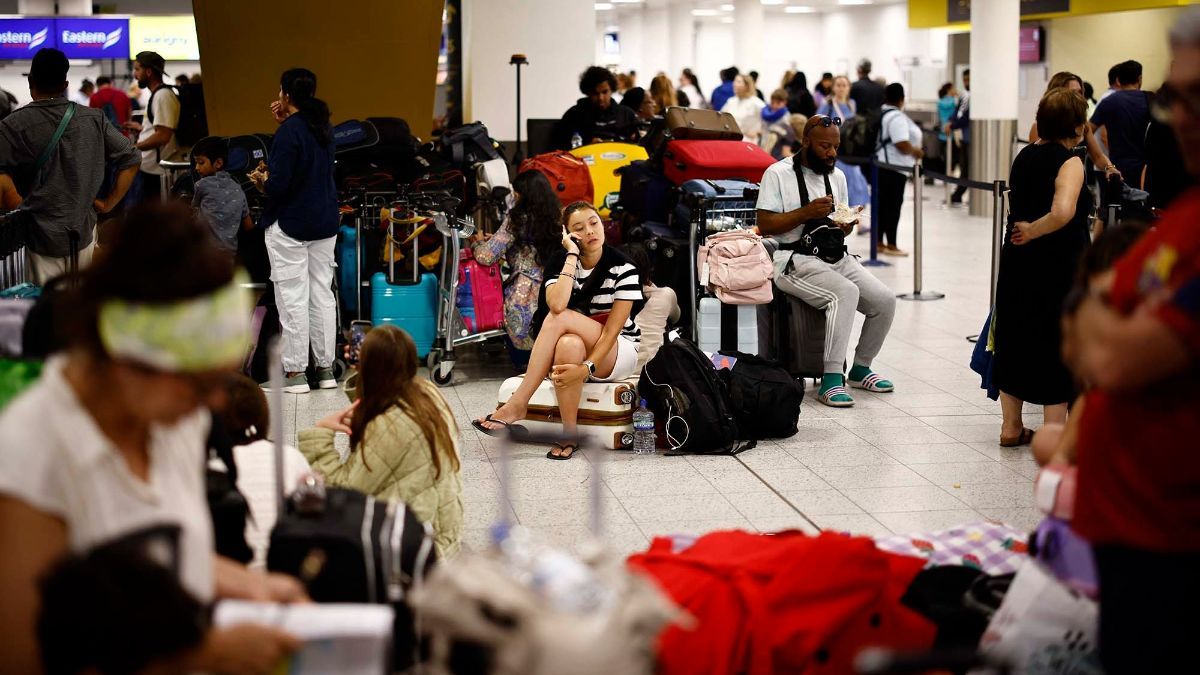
[518, 60]
[874, 260]
[918, 293]
[999, 190]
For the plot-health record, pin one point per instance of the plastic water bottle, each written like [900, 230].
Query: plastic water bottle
[576, 140]
[643, 430]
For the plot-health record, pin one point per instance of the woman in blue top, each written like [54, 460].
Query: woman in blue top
[301, 218]
[947, 102]
[839, 105]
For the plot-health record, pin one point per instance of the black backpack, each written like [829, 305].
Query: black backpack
[468, 145]
[193, 119]
[860, 135]
[683, 389]
[765, 399]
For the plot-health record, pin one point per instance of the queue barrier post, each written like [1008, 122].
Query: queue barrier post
[874, 260]
[949, 165]
[999, 190]
[918, 294]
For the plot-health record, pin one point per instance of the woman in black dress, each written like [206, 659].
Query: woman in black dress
[1047, 234]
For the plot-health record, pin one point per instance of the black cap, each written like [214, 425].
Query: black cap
[152, 60]
[48, 70]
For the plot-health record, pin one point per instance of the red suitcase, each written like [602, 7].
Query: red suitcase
[689, 160]
[568, 175]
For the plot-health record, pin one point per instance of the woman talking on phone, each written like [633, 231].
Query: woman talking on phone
[584, 326]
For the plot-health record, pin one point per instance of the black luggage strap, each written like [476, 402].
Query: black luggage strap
[729, 327]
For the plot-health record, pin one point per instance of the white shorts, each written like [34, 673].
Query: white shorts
[627, 356]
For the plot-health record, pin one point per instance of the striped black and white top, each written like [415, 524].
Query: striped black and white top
[618, 280]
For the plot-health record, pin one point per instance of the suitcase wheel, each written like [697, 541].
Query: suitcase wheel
[627, 439]
[626, 397]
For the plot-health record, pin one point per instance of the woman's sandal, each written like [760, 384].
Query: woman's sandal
[1025, 438]
[509, 430]
[562, 447]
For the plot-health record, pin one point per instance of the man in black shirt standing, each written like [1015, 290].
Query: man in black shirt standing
[866, 93]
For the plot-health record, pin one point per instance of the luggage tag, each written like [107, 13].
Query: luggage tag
[704, 274]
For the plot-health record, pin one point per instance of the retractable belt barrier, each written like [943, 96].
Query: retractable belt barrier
[998, 189]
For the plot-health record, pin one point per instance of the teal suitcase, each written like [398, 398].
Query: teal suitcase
[412, 307]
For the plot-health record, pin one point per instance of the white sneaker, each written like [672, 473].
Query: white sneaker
[325, 379]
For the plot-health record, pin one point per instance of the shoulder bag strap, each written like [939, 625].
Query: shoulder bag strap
[882, 127]
[800, 185]
[58, 134]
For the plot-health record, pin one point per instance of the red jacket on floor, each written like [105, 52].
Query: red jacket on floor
[783, 603]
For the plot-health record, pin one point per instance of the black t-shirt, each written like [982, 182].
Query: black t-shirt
[614, 123]
[1125, 114]
[618, 280]
[868, 96]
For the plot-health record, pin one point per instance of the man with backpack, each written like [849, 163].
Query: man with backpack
[812, 264]
[57, 153]
[899, 145]
[111, 101]
[156, 133]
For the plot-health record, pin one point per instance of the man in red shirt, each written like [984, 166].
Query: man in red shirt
[114, 102]
[1136, 341]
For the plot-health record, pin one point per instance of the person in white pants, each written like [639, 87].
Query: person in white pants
[302, 221]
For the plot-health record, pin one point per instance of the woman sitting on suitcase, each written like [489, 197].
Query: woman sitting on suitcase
[527, 239]
[403, 438]
[584, 326]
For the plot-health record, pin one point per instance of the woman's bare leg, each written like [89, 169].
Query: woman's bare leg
[1055, 414]
[541, 358]
[570, 350]
[1010, 408]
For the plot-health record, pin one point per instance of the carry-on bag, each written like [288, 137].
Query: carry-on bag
[671, 265]
[468, 145]
[412, 307]
[604, 161]
[605, 410]
[346, 546]
[730, 327]
[699, 159]
[736, 268]
[791, 332]
[701, 125]
[681, 385]
[484, 292]
[764, 397]
[568, 175]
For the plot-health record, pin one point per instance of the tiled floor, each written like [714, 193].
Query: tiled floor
[923, 458]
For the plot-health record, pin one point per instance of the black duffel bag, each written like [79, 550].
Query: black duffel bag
[684, 390]
[764, 398]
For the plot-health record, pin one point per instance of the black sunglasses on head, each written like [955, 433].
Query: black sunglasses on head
[827, 121]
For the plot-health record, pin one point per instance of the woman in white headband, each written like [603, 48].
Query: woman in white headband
[109, 444]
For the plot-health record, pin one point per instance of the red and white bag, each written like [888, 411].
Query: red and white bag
[736, 268]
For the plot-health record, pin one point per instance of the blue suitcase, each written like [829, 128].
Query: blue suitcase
[348, 269]
[412, 307]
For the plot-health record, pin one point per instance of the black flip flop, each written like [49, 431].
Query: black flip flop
[510, 429]
[1025, 438]
[562, 447]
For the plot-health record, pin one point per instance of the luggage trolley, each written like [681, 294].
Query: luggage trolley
[451, 329]
[718, 209]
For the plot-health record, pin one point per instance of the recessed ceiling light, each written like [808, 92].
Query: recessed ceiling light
[603, 6]
[773, 2]
[726, 8]
[704, 12]
[855, 2]
[799, 9]
[626, 2]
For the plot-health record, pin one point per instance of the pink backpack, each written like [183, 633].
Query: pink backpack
[735, 266]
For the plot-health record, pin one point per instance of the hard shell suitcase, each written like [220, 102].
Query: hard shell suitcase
[605, 410]
[671, 265]
[412, 307]
[727, 327]
[645, 193]
[699, 159]
[568, 175]
[792, 332]
[699, 124]
[603, 161]
[347, 263]
[483, 290]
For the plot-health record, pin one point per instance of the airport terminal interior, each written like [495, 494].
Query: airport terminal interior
[460, 337]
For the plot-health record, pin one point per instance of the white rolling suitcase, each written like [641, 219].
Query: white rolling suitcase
[605, 410]
[729, 327]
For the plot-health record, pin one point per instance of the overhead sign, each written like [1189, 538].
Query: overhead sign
[93, 38]
[174, 37]
[21, 38]
[958, 11]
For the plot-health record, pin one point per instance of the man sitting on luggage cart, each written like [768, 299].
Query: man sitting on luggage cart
[810, 219]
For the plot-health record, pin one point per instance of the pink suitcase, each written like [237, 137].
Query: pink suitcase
[487, 293]
[715, 160]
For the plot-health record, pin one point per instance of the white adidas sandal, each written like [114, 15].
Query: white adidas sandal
[826, 397]
[873, 382]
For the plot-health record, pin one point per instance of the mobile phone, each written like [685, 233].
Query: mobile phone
[578, 242]
[358, 333]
